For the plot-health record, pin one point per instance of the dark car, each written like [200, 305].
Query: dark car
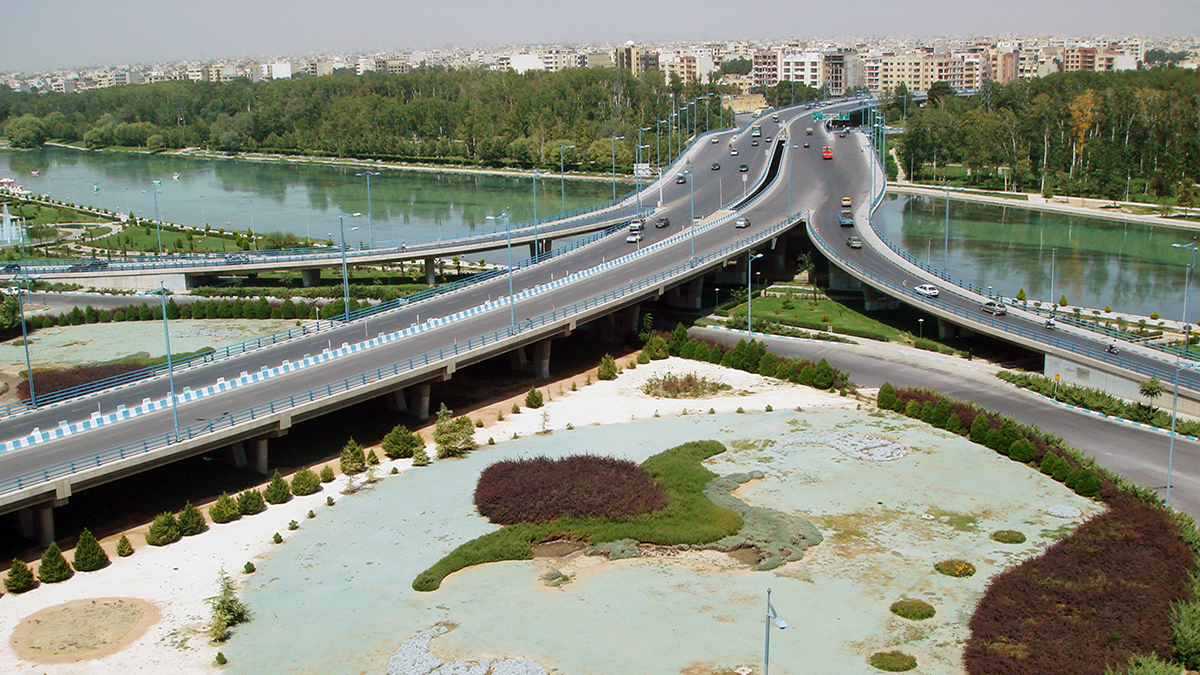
[680, 179]
[716, 166]
[662, 222]
[806, 144]
[12, 269]
[743, 168]
[754, 142]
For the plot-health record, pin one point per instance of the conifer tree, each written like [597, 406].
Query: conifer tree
[277, 491]
[401, 442]
[54, 567]
[191, 521]
[124, 548]
[164, 530]
[20, 577]
[89, 557]
[305, 482]
[352, 459]
[225, 510]
[250, 502]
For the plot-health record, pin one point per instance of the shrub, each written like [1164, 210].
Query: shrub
[352, 459]
[305, 482]
[372, 458]
[1021, 450]
[249, 568]
[912, 409]
[277, 538]
[643, 358]
[326, 474]
[1009, 536]
[54, 567]
[1185, 632]
[227, 609]
[533, 399]
[89, 557]
[1144, 665]
[329, 500]
[310, 514]
[225, 510]
[420, 457]
[124, 548]
[955, 568]
[277, 491]
[293, 525]
[887, 396]
[516, 409]
[608, 368]
[250, 502]
[191, 521]
[979, 429]
[916, 610]
[400, 442]
[20, 577]
[656, 348]
[453, 436]
[892, 662]
[164, 530]
[1087, 484]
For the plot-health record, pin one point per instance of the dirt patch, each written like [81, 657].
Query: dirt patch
[82, 629]
[745, 556]
[557, 548]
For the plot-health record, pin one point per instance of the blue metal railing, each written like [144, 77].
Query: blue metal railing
[285, 403]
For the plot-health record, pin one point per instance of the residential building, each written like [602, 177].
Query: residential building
[803, 68]
[635, 58]
[278, 70]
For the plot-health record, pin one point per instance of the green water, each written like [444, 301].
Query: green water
[302, 199]
[1131, 267]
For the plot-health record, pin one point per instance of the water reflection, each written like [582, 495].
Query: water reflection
[1128, 266]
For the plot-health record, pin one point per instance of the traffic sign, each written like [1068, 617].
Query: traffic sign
[844, 116]
[818, 116]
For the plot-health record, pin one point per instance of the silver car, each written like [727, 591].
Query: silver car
[994, 308]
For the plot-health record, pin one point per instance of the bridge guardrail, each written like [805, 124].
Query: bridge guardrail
[306, 329]
[281, 404]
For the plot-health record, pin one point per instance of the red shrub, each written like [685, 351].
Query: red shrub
[580, 486]
[49, 381]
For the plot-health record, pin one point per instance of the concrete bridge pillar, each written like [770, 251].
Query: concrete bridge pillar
[516, 359]
[237, 455]
[260, 454]
[687, 295]
[540, 364]
[395, 401]
[420, 401]
[874, 300]
[533, 250]
[37, 523]
[950, 330]
[429, 272]
[310, 278]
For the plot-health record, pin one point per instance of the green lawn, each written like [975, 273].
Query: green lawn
[41, 214]
[136, 239]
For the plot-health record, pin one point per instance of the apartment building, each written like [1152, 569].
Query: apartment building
[765, 67]
[278, 70]
[802, 68]
[635, 58]
[843, 72]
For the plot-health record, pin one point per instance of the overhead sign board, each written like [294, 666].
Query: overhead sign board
[818, 116]
[642, 170]
[844, 116]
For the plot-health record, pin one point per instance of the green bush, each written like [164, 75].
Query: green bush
[1021, 450]
[225, 510]
[1144, 665]
[533, 398]
[656, 348]
[277, 491]
[608, 368]
[305, 482]
[892, 662]
[1087, 483]
[372, 458]
[20, 577]
[1185, 631]
[227, 609]
[89, 557]
[249, 568]
[293, 525]
[916, 610]
[164, 530]
[277, 538]
[124, 548]
[452, 436]
[643, 358]
[327, 474]
[912, 409]
[979, 429]
[955, 568]
[352, 459]
[191, 521]
[221, 660]
[1009, 536]
[54, 567]
[400, 442]
[250, 502]
[420, 457]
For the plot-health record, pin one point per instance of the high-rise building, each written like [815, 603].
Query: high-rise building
[635, 58]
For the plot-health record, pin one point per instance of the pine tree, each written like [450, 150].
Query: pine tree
[89, 557]
[124, 548]
[225, 510]
[979, 428]
[372, 458]
[533, 398]
[191, 521]
[326, 474]
[277, 491]
[452, 436]
[608, 368]
[164, 530]
[352, 459]
[54, 567]
[305, 482]
[20, 577]
[401, 442]
[250, 502]
[887, 396]
[420, 457]
[679, 338]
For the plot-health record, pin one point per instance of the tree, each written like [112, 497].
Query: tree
[225, 510]
[420, 457]
[250, 502]
[401, 442]
[326, 474]
[89, 557]
[679, 338]
[20, 577]
[124, 548]
[164, 530]
[533, 398]
[352, 459]
[305, 482]
[980, 428]
[54, 567]
[1151, 389]
[227, 609]
[26, 131]
[452, 436]
[277, 491]
[191, 521]
[656, 348]
[607, 369]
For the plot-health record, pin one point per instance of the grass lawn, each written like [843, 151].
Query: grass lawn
[41, 214]
[98, 231]
[136, 239]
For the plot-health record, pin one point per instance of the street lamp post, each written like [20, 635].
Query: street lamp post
[345, 274]
[658, 143]
[1053, 301]
[614, 164]
[1186, 344]
[946, 243]
[750, 258]
[921, 325]
[691, 179]
[562, 175]
[370, 222]
[638, 187]
[512, 315]
[157, 219]
[22, 286]
[162, 297]
[772, 618]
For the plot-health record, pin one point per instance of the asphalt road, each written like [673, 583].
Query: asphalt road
[1139, 454]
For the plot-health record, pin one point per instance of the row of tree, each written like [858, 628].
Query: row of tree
[476, 115]
[1081, 133]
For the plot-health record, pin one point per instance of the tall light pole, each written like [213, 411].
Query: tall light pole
[22, 282]
[635, 175]
[750, 258]
[162, 297]
[1053, 300]
[658, 143]
[691, 179]
[157, 220]
[614, 164]
[370, 222]
[535, 218]
[345, 274]
[946, 243]
[562, 175]
[772, 618]
[512, 314]
[1187, 277]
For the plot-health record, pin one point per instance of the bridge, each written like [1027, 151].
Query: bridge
[241, 401]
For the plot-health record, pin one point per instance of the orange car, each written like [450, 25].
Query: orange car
[826, 153]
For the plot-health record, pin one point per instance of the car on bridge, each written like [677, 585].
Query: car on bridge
[846, 218]
[928, 290]
[846, 203]
[994, 308]
[715, 140]
[680, 179]
[662, 222]
[633, 238]
[744, 168]
[806, 144]
[754, 143]
[733, 152]
[826, 153]
[11, 269]
[767, 139]
[716, 166]
[854, 241]
[742, 223]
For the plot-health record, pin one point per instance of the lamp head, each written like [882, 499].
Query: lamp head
[780, 622]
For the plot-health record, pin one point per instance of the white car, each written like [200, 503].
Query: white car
[733, 152]
[928, 290]
[742, 222]
[633, 238]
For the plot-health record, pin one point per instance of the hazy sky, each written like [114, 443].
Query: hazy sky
[43, 34]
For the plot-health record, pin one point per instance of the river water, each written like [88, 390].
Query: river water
[1096, 263]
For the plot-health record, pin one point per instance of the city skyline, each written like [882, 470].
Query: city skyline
[145, 32]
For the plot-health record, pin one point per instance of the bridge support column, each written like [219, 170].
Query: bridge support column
[395, 401]
[310, 278]
[874, 300]
[687, 295]
[950, 330]
[260, 455]
[420, 401]
[533, 249]
[429, 272]
[237, 454]
[517, 360]
[37, 523]
[540, 364]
